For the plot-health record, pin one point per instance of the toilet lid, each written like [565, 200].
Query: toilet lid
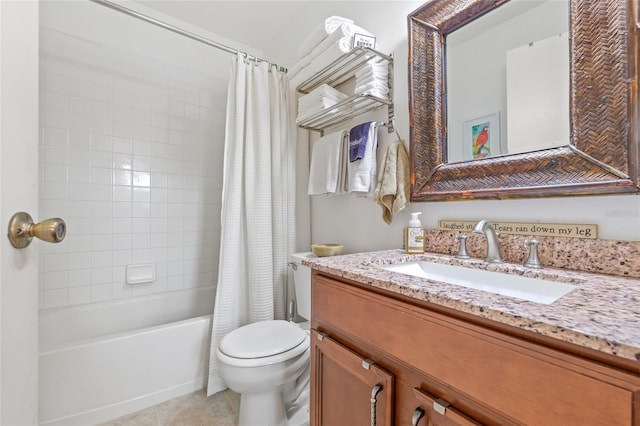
[262, 339]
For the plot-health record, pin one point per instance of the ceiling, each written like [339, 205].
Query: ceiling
[275, 27]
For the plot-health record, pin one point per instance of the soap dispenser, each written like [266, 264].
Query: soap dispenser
[414, 235]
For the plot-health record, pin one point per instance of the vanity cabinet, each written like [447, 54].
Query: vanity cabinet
[455, 368]
[353, 390]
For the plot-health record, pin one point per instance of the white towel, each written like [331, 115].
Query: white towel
[318, 100]
[392, 190]
[372, 79]
[330, 49]
[321, 61]
[326, 161]
[326, 27]
[374, 66]
[361, 174]
[323, 92]
[345, 31]
[377, 90]
[380, 75]
[298, 66]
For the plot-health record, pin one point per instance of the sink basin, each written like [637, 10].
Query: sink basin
[531, 289]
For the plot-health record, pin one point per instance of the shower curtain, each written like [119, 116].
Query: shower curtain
[258, 195]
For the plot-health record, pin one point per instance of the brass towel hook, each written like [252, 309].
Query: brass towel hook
[22, 230]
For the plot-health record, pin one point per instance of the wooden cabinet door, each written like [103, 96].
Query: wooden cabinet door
[431, 411]
[347, 389]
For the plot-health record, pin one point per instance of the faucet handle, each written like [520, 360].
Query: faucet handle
[462, 251]
[532, 260]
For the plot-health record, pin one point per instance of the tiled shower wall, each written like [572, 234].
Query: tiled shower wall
[131, 157]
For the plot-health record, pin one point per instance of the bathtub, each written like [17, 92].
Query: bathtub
[104, 360]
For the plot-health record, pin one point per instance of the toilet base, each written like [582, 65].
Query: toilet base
[265, 408]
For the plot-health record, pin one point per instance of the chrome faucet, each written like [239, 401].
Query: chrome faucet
[493, 245]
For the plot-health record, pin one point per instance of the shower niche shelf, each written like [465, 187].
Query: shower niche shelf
[338, 72]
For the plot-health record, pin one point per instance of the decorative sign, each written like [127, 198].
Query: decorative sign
[515, 228]
[361, 40]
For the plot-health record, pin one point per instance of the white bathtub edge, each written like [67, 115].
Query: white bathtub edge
[108, 413]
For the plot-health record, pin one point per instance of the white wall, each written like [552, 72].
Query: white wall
[358, 223]
[132, 128]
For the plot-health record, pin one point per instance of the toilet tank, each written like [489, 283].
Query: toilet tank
[302, 282]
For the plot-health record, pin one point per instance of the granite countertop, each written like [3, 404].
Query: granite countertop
[601, 313]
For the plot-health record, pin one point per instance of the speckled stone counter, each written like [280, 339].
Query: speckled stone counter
[601, 313]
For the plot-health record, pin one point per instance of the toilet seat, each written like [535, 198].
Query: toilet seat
[263, 343]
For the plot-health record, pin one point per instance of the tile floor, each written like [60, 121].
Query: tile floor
[194, 409]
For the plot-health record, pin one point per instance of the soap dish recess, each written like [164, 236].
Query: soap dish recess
[324, 250]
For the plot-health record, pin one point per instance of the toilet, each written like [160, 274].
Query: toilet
[267, 362]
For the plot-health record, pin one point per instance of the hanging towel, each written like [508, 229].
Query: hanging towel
[358, 137]
[326, 160]
[361, 174]
[392, 190]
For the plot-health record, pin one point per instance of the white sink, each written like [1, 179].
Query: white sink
[531, 289]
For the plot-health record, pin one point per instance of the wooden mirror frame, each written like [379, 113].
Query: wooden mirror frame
[603, 155]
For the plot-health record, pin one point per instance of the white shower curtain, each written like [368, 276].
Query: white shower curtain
[258, 194]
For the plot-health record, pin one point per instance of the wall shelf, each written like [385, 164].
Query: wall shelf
[342, 111]
[338, 72]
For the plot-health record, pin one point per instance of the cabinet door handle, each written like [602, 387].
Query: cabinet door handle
[374, 398]
[417, 415]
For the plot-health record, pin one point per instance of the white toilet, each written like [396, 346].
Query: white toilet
[267, 361]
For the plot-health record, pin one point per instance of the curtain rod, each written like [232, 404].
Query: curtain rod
[161, 24]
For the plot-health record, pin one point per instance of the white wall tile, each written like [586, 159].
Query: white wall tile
[100, 242]
[122, 193]
[123, 177]
[122, 209]
[123, 242]
[80, 122]
[104, 193]
[56, 298]
[100, 159]
[54, 136]
[121, 257]
[78, 243]
[101, 275]
[141, 194]
[102, 292]
[79, 278]
[101, 142]
[122, 225]
[55, 280]
[53, 154]
[79, 173]
[79, 295]
[142, 148]
[79, 260]
[117, 153]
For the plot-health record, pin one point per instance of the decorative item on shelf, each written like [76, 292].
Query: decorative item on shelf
[325, 250]
[363, 40]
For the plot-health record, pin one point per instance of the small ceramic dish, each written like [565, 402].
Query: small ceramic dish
[324, 250]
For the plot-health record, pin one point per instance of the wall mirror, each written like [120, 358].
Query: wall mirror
[587, 136]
